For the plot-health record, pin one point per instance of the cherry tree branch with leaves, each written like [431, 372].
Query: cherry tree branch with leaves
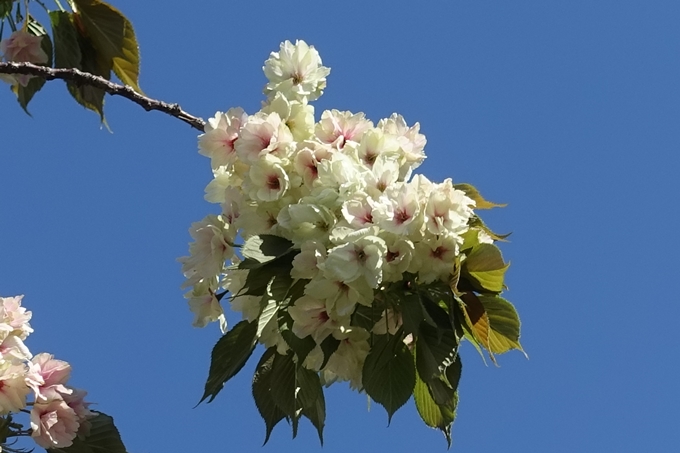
[82, 78]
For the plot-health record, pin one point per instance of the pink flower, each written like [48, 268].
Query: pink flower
[20, 47]
[14, 318]
[47, 376]
[54, 423]
[13, 388]
[76, 401]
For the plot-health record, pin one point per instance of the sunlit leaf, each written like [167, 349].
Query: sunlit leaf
[486, 268]
[472, 192]
[439, 416]
[476, 222]
[504, 325]
[389, 373]
[265, 247]
[102, 438]
[228, 357]
[113, 38]
[476, 319]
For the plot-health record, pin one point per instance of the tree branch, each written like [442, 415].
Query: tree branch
[85, 78]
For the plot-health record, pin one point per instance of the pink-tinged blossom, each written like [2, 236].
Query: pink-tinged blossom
[206, 309]
[336, 128]
[448, 210]
[14, 318]
[47, 376]
[296, 71]
[307, 160]
[212, 246]
[221, 131]
[361, 256]
[76, 401]
[347, 361]
[54, 423]
[399, 211]
[435, 258]
[14, 350]
[13, 388]
[358, 211]
[374, 143]
[340, 298]
[264, 134]
[268, 180]
[306, 263]
[400, 252]
[411, 142]
[310, 317]
[23, 47]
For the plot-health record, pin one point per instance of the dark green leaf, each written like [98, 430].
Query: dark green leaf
[5, 8]
[411, 311]
[259, 278]
[113, 37]
[93, 62]
[228, 357]
[366, 317]
[262, 392]
[329, 345]
[389, 373]
[453, 373]
[283, 384]
[435, 350]
[102, 438]
[300, 346]
[311, 399]
[66, 48]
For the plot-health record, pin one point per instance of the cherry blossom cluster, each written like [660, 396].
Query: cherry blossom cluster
[22, 47]
[342, 190]
[58, 412]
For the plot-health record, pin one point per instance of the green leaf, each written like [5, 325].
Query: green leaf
[412, 313]
[265, 247]
[274, 297]
[284, 388]
[476, 222]
[228, 357]
[66, 48]
[366, 317]
[5, 8]
[102, 438]
[389, 373]
[480, 202]
[476, 320]
[262, 392]
[504, 325]
[486, 268]
[312, 401]
[300, 346]
[435, 351]
[260, 277]
[113, 38]
[329, 345]
[25, 94]
[439, 416]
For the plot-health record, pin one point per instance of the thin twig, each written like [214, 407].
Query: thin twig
[85, 78]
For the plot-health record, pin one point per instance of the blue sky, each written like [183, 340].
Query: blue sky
[567, 111]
